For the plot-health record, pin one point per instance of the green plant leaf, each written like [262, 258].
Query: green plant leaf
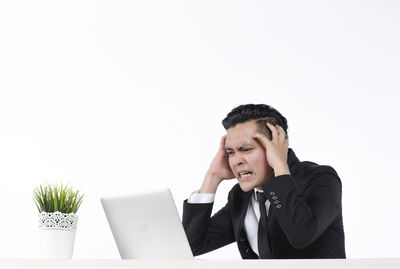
[62, 198]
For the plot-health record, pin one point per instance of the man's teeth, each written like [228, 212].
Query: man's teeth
[245, 173]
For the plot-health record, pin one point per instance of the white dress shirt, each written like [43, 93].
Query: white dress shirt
[251, 219]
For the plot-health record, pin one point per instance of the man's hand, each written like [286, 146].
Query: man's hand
[219, 170]
[276, 150]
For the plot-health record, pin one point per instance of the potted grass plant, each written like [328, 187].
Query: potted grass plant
[57, 206]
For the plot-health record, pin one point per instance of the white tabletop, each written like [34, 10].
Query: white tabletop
[202, 264]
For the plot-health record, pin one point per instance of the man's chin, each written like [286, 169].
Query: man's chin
[246, 186]
[249, 185]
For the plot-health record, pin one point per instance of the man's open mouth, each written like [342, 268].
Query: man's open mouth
[245, 174]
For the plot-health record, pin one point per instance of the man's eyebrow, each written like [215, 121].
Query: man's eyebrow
[240, 147]
[245, 146]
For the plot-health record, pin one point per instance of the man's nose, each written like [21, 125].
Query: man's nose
[238, 159]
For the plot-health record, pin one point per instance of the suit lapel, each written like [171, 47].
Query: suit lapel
[239, 212]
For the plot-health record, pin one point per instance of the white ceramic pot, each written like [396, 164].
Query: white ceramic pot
[57, 235]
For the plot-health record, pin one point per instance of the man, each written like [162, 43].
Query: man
[281, 208]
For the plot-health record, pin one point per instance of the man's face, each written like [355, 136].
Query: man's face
[247, 158]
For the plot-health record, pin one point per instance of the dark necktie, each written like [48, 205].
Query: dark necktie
[263, 243]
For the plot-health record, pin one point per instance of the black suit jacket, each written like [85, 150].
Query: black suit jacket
[304, 219]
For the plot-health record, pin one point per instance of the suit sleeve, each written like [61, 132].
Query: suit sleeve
[207, 233]
[305, 213]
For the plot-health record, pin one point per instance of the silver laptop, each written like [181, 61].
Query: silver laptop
[147, 226]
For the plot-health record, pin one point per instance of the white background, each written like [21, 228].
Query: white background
[117, 96]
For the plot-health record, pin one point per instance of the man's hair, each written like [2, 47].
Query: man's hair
[261, 113]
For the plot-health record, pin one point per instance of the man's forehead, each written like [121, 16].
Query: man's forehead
[245, 128]
[240, 135]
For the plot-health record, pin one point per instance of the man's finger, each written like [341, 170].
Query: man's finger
[282, 133]
[262, 139]
[274, 131]
[222, 143]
